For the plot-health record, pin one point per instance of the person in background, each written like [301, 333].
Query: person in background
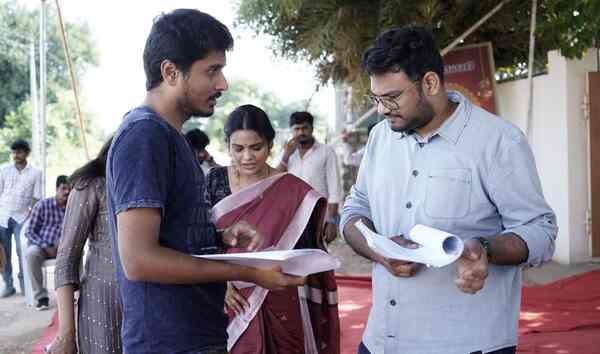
[252, 191]
[43, 236]
[316, 164]
[353, 158]
[198, 140]
[20, 189]
[98, 318]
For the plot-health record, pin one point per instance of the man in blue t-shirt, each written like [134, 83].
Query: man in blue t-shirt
[173, 302]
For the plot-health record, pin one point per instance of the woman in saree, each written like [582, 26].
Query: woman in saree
[290, 214]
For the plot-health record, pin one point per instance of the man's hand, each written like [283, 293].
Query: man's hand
[289, 148]
[274, 279]
[345, 135]
[330, 232]
[51, 251]
[471, 268]
[235, 301]
[243, 235]
[397, 267]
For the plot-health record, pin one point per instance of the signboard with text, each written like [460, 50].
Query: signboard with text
[470, 70]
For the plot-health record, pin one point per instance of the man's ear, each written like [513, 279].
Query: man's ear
[431, 84]
[169, 72]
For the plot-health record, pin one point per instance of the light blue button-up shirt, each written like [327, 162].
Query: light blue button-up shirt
[475, 176]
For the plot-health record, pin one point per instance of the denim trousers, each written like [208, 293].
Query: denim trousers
[362, 349]
[6, 235]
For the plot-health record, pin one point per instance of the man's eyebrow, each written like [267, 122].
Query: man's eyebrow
[389, 93]
[216, 66]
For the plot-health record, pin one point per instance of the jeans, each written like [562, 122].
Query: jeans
[362, 349]
[6, 234]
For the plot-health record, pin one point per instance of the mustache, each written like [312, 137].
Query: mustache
[215, 96]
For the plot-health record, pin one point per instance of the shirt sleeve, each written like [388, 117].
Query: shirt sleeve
[516, 191]
[140, 166]
[334, 188]
[80, 215]
[352, 158]
[357, 202]
[35, 225]
[38, 186]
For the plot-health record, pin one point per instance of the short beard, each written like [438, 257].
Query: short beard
[424, 115]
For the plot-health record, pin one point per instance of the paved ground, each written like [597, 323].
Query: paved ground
[22, 326]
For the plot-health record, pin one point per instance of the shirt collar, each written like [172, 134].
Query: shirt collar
[453, 127]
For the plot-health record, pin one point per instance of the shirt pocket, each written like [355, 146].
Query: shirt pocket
[448, 193]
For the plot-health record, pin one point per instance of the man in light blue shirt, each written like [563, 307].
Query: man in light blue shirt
[440, 161]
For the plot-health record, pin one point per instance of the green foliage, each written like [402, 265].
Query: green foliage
[18, 28]
[246, 92]
[62, 129]
[333, 34]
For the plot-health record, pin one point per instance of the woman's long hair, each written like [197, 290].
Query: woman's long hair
[94, 168]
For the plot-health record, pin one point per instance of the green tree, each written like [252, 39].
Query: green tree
[332, 34]
[18, 28]
[246, 92]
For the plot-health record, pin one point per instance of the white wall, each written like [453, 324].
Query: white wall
[559, 144]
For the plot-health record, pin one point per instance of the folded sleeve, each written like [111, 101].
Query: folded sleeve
[516, 191]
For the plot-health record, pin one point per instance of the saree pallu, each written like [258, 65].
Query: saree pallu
[289, 214]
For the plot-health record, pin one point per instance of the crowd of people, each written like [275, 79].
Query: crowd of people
[154, 197]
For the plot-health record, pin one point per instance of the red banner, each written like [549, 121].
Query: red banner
[470, 70]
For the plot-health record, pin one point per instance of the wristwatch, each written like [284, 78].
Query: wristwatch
[487, 246]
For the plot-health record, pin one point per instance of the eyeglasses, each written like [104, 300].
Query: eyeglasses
[389, 100]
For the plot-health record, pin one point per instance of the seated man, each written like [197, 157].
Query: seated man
[43, 235]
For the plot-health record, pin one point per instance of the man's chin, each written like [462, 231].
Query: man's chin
[204, 114]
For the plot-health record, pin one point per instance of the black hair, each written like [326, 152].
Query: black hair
[62, 179]
[182, 36]
[197, 139]
[20, 144]
[249, 117]
[410, 49]
[301, 118]
[94, 168]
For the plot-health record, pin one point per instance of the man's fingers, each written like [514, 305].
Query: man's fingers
[241, 300]
[470, 287]
[406, 243]
[402, 268]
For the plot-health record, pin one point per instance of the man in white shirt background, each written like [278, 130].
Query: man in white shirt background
[20, 189]
[349, 156]
[316, 164]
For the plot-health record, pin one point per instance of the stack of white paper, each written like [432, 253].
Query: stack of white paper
[301, 262]
[437, 248]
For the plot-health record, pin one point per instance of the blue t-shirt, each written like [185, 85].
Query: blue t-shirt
[150, 165]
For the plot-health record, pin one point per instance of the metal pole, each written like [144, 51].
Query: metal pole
[43, 92]
[473, 28]
[33, 93]
[529, 126]
[73, 83]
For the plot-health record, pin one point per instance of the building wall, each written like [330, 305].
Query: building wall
[560, 143]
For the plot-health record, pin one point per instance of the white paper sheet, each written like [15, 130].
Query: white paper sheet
[300, 262]
[437, 248]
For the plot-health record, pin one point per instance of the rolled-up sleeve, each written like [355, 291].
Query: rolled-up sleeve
[516, 191]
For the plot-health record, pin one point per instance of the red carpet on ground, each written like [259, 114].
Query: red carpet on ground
[559, 318]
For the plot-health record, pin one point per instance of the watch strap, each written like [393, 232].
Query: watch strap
[487, 246]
